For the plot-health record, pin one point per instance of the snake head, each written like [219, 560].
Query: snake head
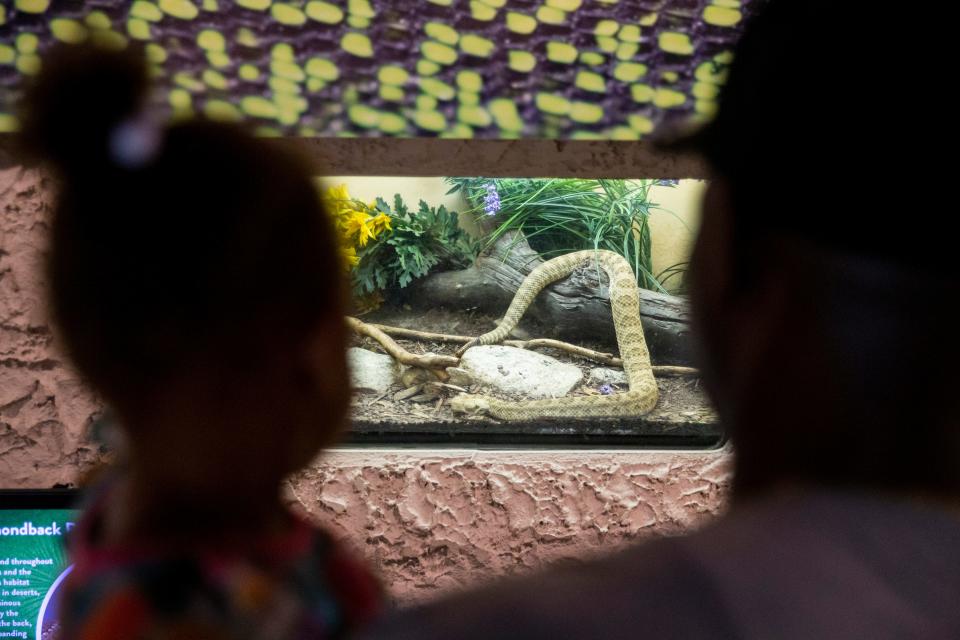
[466, 403]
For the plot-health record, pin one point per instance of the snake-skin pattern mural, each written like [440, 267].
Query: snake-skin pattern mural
[594, 69]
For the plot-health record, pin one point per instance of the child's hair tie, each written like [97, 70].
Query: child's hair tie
[135, 142]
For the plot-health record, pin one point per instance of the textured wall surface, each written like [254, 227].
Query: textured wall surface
[44, 410]
[439, 520]
[429, 520]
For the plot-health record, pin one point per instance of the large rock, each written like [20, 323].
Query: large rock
[518, 371]
[371, 371]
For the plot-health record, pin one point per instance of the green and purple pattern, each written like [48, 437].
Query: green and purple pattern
[593, 69]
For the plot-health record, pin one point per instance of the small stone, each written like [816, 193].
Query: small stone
[371, 371]
[459, 377]
[603, 375]
[520, 372]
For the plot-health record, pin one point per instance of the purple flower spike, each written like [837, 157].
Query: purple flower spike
[491, 202]
[606, 389]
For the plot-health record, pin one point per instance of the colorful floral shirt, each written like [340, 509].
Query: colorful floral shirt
[298, 585]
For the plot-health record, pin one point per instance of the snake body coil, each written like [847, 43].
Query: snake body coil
[640, 398]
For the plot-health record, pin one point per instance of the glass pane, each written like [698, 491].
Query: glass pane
[610, 69]
[437, 262]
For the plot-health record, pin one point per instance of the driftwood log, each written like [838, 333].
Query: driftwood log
[575, 309]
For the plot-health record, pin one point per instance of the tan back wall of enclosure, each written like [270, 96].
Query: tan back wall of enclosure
[429, 520]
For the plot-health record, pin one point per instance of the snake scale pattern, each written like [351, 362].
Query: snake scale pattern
[639, 399]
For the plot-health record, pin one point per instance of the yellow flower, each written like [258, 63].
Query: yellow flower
[382, 222]
[349, 255]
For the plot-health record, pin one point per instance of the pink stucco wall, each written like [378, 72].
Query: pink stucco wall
[430, 520]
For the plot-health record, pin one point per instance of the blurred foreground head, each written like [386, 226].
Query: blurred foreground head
[825, 279]
[193, 274]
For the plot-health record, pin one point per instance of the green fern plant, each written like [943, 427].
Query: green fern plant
[417, 243]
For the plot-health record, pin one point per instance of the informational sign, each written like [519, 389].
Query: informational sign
[33, 565]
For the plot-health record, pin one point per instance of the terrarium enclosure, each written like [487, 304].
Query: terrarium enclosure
[436, 262]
